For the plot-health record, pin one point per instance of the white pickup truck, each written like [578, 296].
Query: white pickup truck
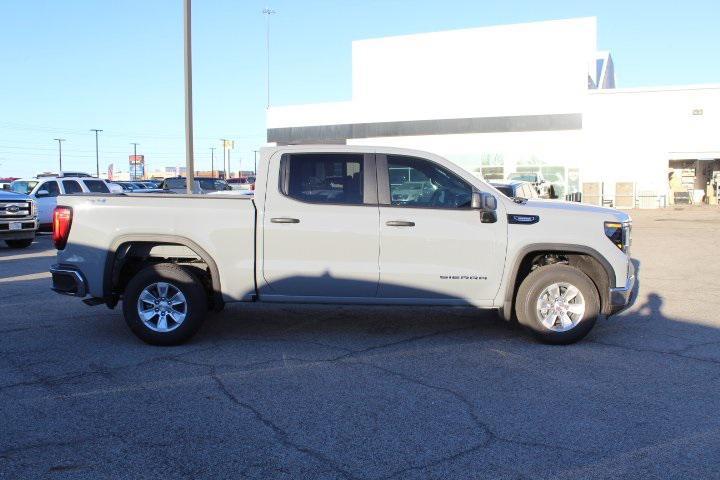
[346, 225]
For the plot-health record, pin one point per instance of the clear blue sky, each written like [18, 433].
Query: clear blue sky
[72, 65]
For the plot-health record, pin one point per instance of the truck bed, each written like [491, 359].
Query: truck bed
[222, 226]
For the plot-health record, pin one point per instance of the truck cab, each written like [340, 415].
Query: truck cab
[44, 190]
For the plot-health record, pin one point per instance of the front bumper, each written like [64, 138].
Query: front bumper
[619, 298]
[28, 229]
[68, 281]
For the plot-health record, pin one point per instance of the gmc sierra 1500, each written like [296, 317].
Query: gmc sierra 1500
[345, 224]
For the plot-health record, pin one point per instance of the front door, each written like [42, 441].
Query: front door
[46, 201]
[433, 247]
[320, 227]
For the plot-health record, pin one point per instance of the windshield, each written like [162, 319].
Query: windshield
[23, 186]
[526, 177]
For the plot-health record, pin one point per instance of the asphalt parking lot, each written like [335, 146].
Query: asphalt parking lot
[370, 393]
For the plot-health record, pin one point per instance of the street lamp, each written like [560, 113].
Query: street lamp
[97, 155]
[189, 159]
[255, 169]
[60, 140]
[212, 161]
[267, 12]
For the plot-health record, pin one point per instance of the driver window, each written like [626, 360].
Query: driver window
[415, 182]
[51, 187]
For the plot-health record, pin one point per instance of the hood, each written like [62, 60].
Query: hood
[560, 206]
[7, 195]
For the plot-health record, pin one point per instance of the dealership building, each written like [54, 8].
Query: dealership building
[523, 98]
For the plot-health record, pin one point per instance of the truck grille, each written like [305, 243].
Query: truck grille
[15, 210]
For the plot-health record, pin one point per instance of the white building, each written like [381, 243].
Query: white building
[536, 96]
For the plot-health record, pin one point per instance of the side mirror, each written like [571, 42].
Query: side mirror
[487, 204]
[42, 193]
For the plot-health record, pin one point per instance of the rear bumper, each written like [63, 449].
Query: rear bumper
[619, 298]
[68, 281]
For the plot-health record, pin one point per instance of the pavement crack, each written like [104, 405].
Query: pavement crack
[353, 353]
[281, 435]
[674, 353]
[490, 433]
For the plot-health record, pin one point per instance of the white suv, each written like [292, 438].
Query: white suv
[44, 190]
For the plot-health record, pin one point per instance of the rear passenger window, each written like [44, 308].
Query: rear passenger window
[96, 186]
[71, 186]
[324, 178]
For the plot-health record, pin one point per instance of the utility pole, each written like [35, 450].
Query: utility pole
[189, 160]
[97, 154]
[255, 169]
[60, 140]
[212, 161]
[267, 12]
[134, 168]
[225, 162]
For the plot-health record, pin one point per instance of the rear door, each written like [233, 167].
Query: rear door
[71, 186]
[320, 227]
[434, 248]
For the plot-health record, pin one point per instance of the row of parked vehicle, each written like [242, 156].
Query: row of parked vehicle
[526, 185]
[27, 204]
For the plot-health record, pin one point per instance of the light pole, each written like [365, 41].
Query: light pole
[60, 140]
[267, 12]
[134, 164]
[189, 160]
[255, 169]
[225, 167]
[212, 161]
[97, 152]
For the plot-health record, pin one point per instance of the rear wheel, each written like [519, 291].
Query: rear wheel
[164, 304]
[558, 303]
[24, 243]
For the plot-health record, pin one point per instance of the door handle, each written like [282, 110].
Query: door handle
[399, 223]
[284, 220]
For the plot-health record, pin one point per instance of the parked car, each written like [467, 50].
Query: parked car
[18, 219]
[543, 187]
[516, 189]
[202, 185]
[554, 266]
[242, 183]
[45, 190]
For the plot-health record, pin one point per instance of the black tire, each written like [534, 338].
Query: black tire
[183, 280]
[24, 243]
[531, 289]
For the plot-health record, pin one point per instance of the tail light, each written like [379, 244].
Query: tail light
[252, 186]
[62, 221]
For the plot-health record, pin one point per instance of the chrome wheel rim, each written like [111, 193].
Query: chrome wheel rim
[162, 307]
[560, 307]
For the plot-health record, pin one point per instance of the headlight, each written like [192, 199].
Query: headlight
[619, 234]
[33, 208]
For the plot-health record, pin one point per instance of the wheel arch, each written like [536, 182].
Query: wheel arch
[587, 259]
[122, 245]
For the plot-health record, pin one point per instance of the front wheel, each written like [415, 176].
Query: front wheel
[24, 243]
[558, 303]
[164, 304]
